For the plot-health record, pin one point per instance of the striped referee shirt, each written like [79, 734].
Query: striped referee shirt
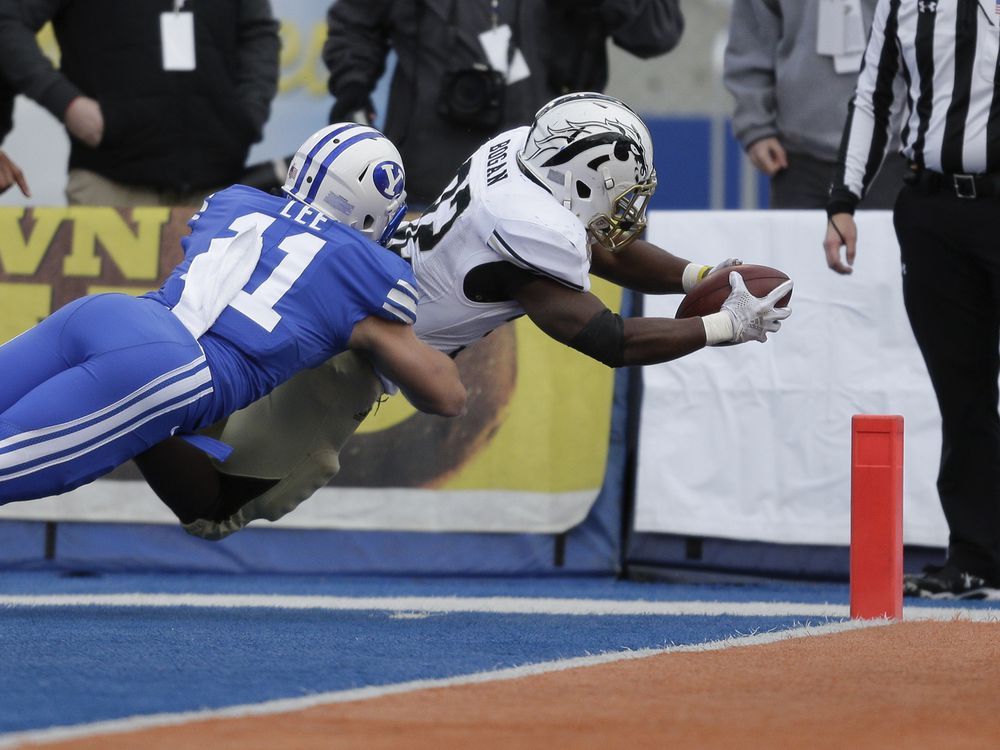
[940, 56]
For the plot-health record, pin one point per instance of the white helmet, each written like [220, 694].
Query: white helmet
[353, 174]
[595, 155]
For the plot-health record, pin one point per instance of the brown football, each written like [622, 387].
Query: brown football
[707, 297]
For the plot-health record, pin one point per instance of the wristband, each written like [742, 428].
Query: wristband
[718, 328]
[693, 273]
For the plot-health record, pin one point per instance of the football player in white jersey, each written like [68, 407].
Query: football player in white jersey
[527, 218]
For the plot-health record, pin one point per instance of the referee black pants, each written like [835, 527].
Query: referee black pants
[950, 252]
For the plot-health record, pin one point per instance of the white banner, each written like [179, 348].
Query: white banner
[753, 442]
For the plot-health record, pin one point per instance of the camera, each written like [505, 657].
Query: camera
[473, 97]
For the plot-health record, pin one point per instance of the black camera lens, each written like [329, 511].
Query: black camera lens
[470, 94]
[473, 97]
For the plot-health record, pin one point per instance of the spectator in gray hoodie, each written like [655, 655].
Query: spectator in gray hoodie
[791, 68]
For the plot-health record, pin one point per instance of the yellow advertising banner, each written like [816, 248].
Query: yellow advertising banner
[537, 424]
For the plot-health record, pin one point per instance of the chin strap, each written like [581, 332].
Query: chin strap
[393, 225]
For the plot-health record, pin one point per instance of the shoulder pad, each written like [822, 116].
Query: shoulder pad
[561, 253]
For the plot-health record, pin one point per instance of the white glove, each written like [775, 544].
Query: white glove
[752, 318]
[725, 264]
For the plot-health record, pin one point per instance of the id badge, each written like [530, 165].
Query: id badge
[177, 40]
[830, 28]
[848, 63]
[496, 45]
[854, 27]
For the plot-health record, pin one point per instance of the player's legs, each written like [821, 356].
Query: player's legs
[186, 479]
[287, 445]
[315, 409]
[34, 356]
[130, 374]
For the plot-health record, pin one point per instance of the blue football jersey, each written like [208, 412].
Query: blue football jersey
[314, 281]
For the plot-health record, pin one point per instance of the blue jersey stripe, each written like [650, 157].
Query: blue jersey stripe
[403, 301]
[316, 149]
[404, 315]
[332, 157]
[407, 288]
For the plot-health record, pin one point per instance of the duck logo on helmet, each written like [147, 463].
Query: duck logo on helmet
[575, 138]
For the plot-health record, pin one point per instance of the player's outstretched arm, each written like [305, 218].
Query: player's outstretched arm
[640, 265]
[647, 268]
[580, 320]
[428, 378]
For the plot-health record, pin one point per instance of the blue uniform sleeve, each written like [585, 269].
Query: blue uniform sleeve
[383, 281]
[400, 300]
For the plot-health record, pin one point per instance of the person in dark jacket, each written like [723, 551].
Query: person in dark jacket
[467, 70]
[10, 173]
[162, 99]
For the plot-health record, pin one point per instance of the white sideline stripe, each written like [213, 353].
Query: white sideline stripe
[138, 723]
[486, 605]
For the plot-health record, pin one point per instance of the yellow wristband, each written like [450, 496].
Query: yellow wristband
[693, 273]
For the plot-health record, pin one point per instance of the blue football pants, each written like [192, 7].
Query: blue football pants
[93, 385]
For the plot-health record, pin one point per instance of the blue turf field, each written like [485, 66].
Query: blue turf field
[76, 663]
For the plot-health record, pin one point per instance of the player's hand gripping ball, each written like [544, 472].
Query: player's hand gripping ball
[709, 294]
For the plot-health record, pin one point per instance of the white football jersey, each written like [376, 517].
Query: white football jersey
[490, 213]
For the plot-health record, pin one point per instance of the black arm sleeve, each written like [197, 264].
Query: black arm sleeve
[603, 339]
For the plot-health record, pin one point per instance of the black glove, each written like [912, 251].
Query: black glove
[353, 105]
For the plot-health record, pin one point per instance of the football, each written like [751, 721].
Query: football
[707, 297]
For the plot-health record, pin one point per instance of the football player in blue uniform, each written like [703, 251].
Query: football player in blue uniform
[269, 286]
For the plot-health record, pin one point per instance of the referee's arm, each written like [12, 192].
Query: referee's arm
[867, 134]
